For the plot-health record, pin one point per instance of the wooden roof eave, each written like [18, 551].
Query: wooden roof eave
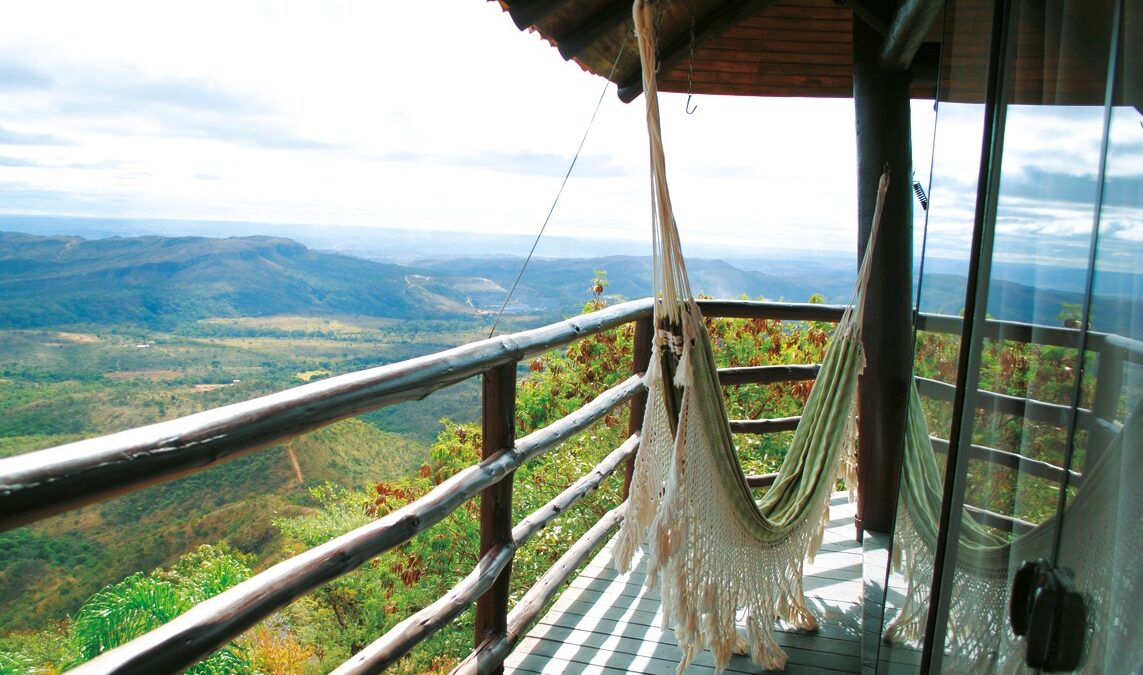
[597, 35]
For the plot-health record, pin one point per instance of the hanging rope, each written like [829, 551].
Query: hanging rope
[710, 548]
[567, 174]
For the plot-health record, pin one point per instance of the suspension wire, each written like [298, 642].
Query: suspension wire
[606, 84]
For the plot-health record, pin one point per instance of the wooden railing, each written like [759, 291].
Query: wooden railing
[38, 484]
[1113, 352]
[42, 483]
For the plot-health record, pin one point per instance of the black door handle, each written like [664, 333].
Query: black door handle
[1046, 609]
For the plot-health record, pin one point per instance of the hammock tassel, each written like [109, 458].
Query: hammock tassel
[712, 550]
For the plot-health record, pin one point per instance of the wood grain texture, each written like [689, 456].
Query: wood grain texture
[611, 623]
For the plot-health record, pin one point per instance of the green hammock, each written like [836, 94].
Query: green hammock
[712, 549]
[1102, 528]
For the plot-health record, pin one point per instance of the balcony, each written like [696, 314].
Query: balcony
[602, 622]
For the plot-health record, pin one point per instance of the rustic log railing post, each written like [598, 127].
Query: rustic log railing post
[640, 358]
[499, 432]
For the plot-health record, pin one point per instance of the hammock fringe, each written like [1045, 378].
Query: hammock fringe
[711, 549]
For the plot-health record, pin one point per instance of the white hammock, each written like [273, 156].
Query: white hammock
[712, 550]
[1100, 543]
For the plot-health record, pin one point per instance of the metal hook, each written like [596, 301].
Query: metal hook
[691, 72]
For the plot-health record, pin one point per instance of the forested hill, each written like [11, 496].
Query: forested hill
[163, 281]
[564, 282]
[59, 280]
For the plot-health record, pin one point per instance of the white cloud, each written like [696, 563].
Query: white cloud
[434, 115]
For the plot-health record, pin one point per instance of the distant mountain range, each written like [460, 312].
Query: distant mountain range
[58, 280]
[163, 281]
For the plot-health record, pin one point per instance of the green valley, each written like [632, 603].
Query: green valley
[57, 386]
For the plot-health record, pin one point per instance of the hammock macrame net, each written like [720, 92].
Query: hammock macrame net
[711, 549]
[1100, 543]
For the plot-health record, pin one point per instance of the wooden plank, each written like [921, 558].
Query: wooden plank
[784, 87]
[642, 655]
[841, 569]
[605, 647]
[795, 10]
[839, 640]
[841, 590]
[767, 68]
[709, 27]
[753, 52]
[832, 34]
[608, 622]
[803, 642]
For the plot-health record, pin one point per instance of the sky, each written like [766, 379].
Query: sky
[434, 115]
[429, 115]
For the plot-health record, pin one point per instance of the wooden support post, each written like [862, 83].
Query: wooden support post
[640, 358]
[499, 432]
[881, 101]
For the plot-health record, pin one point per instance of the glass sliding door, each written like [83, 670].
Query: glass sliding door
[943, 261]
[1101, 525]
[1031, 537]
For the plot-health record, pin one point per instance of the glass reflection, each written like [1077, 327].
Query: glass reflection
[1028, 433]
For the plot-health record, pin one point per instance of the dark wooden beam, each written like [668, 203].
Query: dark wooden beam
[882, 115]
[640, 359]
[770, 426]
[499, 433]
[524, 13]
[926, 67]
[708, 27]
[761, 480]
[783, 311]
[584, 35]
[874, 18]
[767, 374]
[910, 24]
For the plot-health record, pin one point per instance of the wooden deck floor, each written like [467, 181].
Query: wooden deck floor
[609, 623]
